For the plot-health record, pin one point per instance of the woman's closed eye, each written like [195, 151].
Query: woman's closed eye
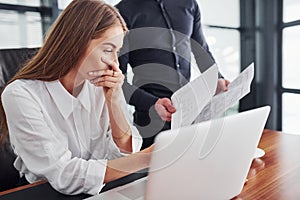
[108, 51]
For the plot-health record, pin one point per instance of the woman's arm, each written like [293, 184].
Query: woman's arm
[121, 130]
[121, 167]
[111, 80]
[42, 150]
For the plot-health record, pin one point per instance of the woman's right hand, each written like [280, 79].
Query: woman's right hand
[110, 79]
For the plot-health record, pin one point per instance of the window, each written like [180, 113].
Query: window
[290, 114]
[62, 4]
[225, 46]
[20, 29]
[220, 27]
[222, 35]
[290, 67]
[113, 2]
[290, 57]
[291, 10]
[23, 2]
[220, 13]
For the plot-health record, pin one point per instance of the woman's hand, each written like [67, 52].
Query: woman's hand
[110, 79]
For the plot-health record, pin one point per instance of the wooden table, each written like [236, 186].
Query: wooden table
[275, 176]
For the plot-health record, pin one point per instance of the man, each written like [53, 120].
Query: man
[162, 35]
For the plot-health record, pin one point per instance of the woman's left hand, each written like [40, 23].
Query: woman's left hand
[110, 79]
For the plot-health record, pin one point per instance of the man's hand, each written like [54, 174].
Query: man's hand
[222, 85]
[165, 109]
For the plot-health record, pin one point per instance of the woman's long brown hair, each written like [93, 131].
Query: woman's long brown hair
[66, 43]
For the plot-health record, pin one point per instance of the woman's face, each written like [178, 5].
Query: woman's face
[106, 47]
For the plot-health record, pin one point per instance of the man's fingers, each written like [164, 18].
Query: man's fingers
[227, 82]
[225, 86]
[222, 85]
[164, 108]
[165, 115]
[167, 103]
[171, 108]
[168, 117]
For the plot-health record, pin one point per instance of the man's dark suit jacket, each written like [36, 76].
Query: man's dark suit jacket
[162, 35]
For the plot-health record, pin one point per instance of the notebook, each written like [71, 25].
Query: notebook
[208, 160]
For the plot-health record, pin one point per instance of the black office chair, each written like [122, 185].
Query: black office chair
[10, 62]
[9, 176]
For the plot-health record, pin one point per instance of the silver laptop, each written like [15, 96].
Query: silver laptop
[209, 160]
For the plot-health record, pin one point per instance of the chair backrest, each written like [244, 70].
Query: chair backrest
[10, 62]
[9, 176]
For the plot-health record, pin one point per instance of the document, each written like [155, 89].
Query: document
[191, 98]
[237, 89]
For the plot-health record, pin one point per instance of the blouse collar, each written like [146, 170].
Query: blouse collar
[64, 101]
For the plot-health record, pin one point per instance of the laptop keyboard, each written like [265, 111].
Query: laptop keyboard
[135, 191]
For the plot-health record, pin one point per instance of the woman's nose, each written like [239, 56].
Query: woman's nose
[116, 58]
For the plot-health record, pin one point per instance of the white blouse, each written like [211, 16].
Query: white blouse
[58, 137]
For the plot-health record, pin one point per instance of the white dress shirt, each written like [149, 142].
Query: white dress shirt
[58, 137]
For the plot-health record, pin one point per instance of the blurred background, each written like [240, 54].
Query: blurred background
[266, 32]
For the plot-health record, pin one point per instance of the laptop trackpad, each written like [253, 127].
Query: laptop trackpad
[135, 191]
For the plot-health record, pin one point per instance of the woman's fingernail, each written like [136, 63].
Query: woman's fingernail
[91, 73]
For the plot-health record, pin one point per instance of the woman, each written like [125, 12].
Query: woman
[64, 110]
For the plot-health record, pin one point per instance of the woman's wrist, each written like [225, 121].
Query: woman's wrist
[123, 134]
[113, 96]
